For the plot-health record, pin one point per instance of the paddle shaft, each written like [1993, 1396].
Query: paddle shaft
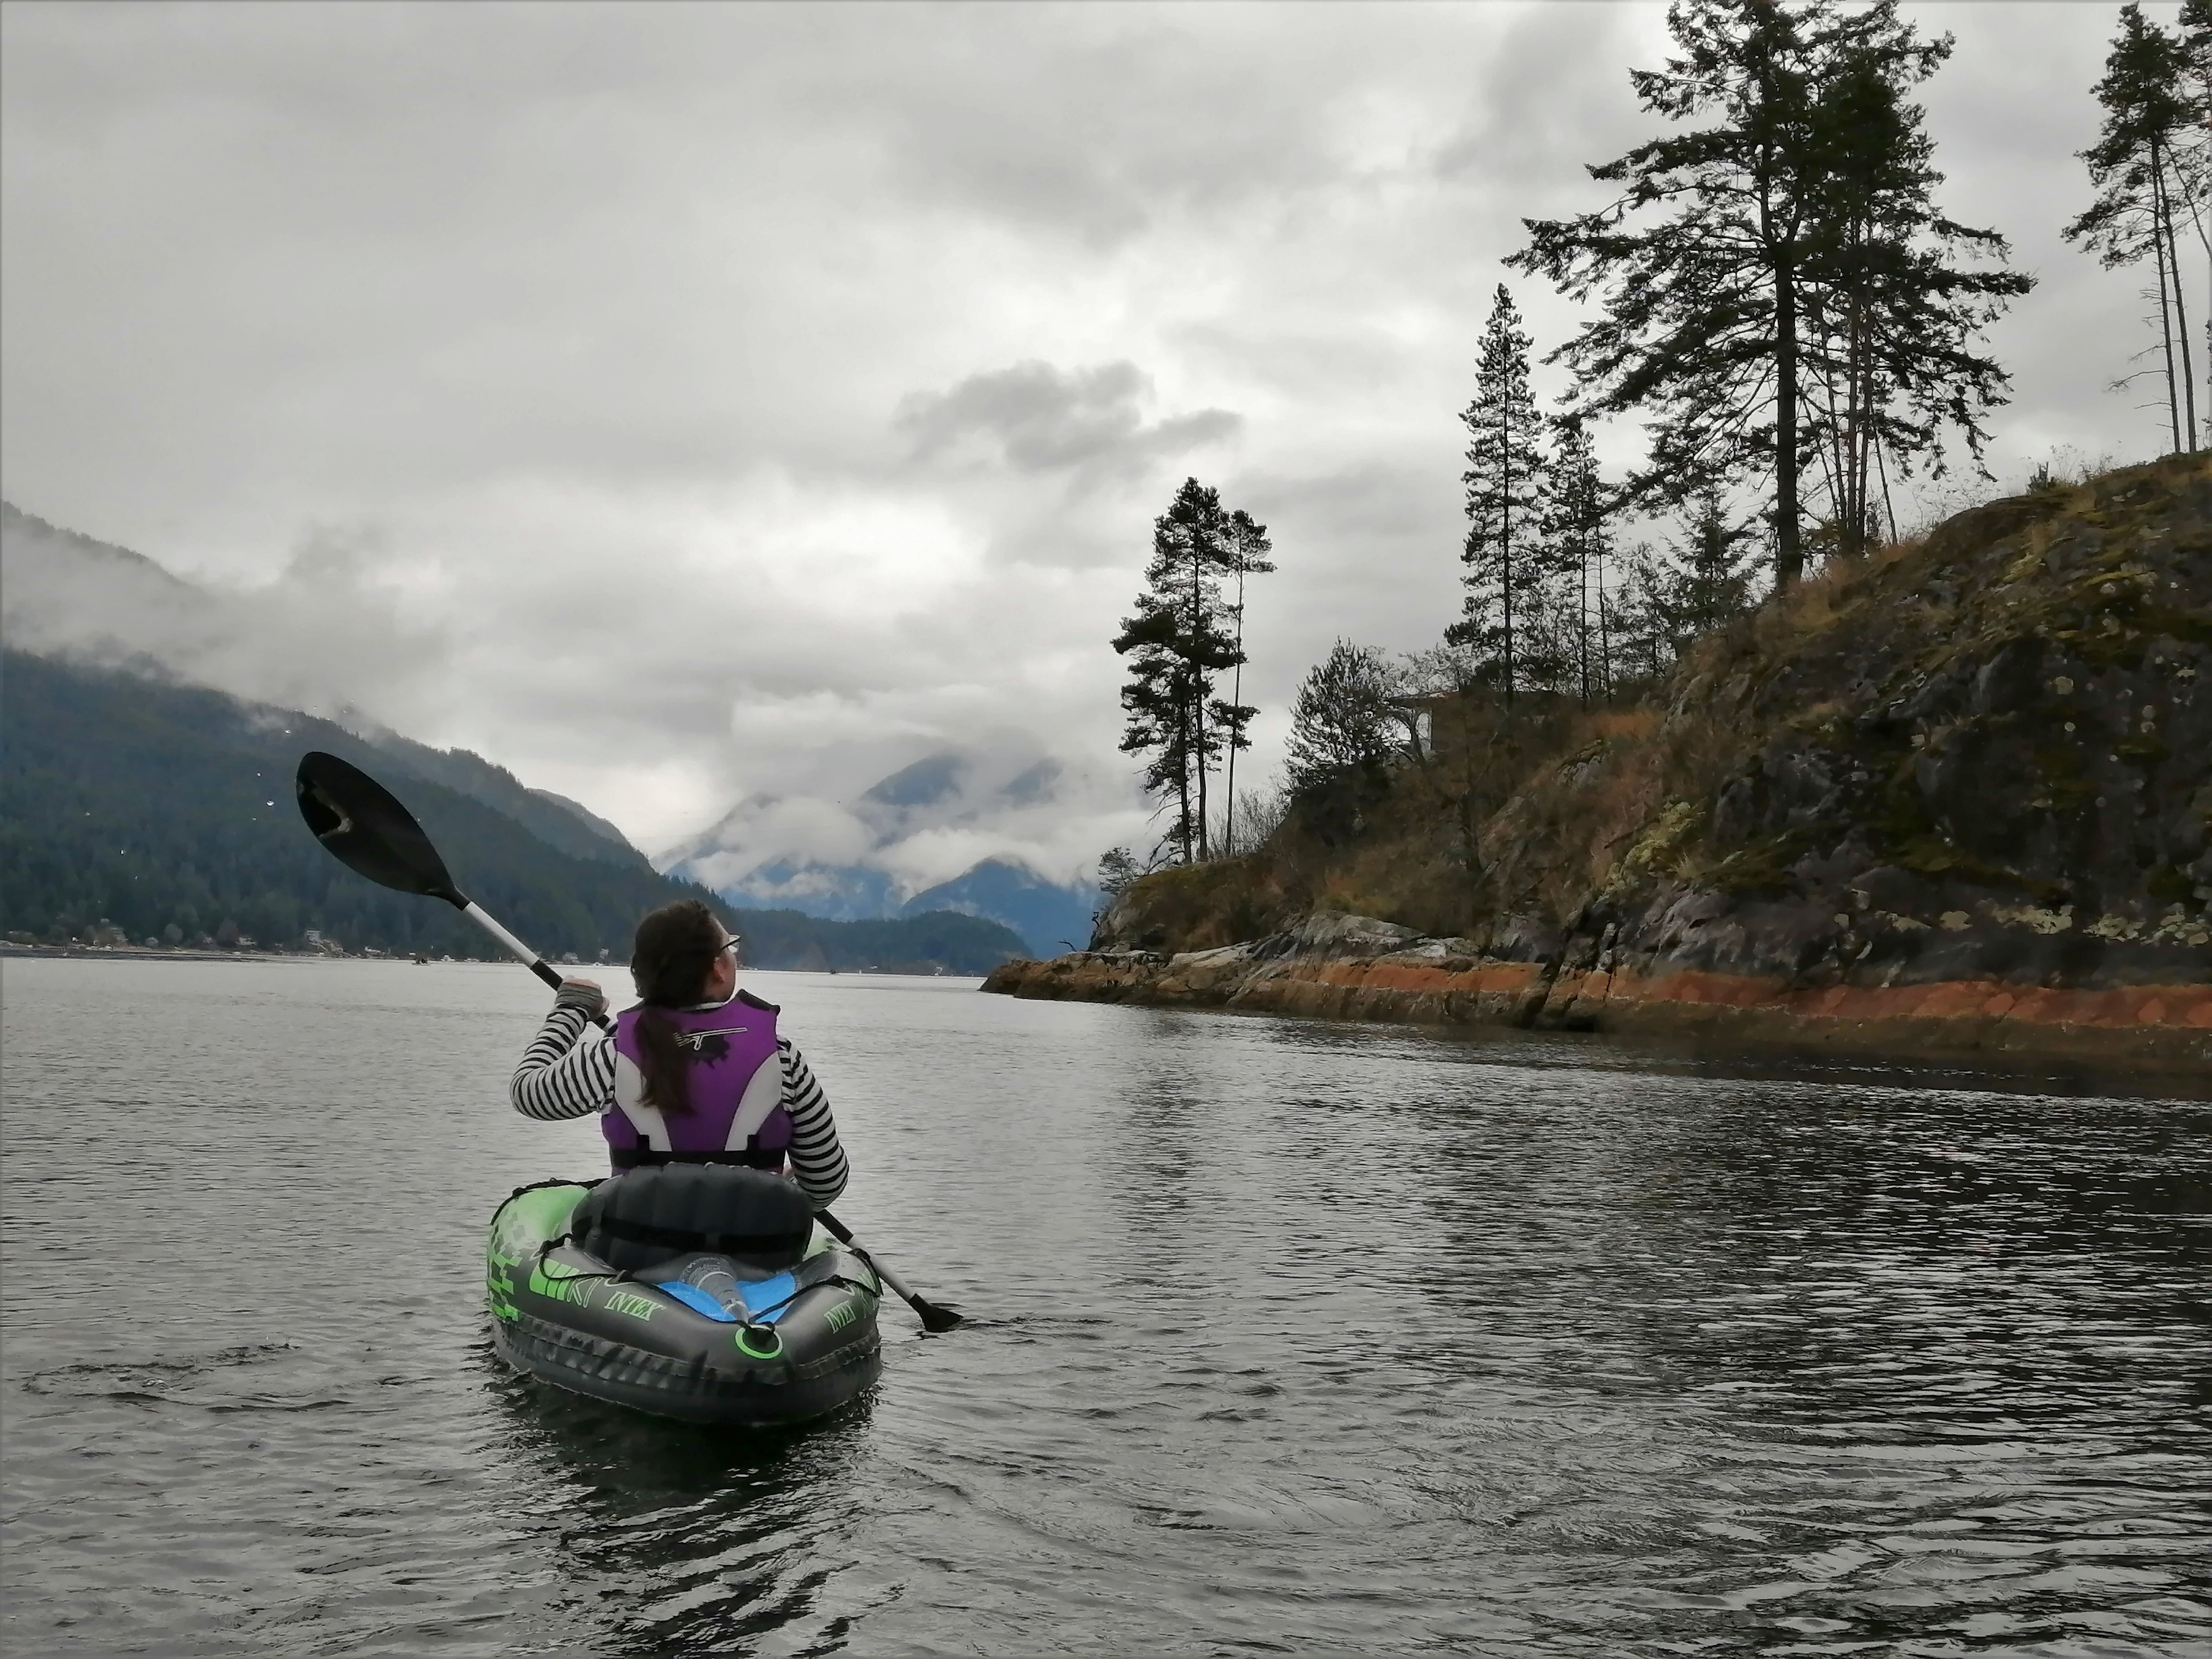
[521, 953]
[844, 1236]
[933, 1317]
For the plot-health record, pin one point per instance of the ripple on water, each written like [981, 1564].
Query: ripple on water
[1283, 1339]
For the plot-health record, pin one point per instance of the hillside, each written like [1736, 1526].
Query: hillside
[1045, 914]
[1958, 794]
[158, 805]
[167, 812]
[553, 819]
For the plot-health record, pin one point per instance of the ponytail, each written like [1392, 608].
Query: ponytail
[675, 948]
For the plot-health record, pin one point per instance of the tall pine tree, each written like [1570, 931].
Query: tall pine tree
[1711, 264]
[1890, 321]
[1249, 548]
[2144, 186]
[1503, 551]
[2192, 152]
[1184, 637]
[1575, 515]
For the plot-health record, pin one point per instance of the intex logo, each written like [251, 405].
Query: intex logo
[637, 1307]
[843, 1315]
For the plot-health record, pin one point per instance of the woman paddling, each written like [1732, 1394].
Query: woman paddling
[695, 1074]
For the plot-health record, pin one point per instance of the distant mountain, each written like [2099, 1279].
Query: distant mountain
[847, 892]
[65, 590]
[1050, 916]
[855, 859]
[591, 820]
[925, 943]
[1044, 913]
[167, 812]
[69, 595]
[45, 547]
[160, 807]
[553, 819]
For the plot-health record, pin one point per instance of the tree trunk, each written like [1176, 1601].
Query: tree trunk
[2164, 217]
[1581, 614]
[1604, 633]
[1236, 701]
[1182, 786]
[1505, 544]
[1198, 683]
[1789, 555]
[2165, 305]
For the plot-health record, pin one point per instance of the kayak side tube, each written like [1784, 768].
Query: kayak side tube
[561, 1314]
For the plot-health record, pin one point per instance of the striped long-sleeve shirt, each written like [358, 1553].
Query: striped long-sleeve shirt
[562, 1078]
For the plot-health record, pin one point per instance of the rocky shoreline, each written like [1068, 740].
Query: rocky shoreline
[1951, 799]
[1347, 967]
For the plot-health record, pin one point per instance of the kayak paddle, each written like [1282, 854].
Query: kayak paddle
[366, 829]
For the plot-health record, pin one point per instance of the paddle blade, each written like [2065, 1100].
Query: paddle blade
[935, 1320]
[367, 830]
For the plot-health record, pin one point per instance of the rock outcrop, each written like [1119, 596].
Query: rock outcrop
[1957, 798]
[1356, 968]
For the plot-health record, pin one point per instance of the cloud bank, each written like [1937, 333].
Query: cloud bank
[689, 404]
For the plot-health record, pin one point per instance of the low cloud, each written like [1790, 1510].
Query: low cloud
[325, 635]
[933, 819]
[1089, 423]
[687, 406]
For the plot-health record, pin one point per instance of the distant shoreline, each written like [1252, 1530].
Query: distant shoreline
[177, 953]
[190, 953]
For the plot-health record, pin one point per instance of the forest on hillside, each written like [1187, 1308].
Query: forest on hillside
[138, 809]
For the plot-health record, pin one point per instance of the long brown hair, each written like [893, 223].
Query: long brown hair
[675, 948]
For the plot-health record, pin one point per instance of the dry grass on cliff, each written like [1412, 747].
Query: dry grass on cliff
[1542, 806]
[1574, 824]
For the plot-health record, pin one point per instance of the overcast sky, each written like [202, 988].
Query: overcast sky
[676, 402]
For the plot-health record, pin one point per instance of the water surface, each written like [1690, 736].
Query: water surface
[1285, 1338]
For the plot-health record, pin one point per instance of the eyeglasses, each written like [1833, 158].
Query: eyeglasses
[730, 944]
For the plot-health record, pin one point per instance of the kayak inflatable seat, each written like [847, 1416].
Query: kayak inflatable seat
[587, 1283]
[644, 1219]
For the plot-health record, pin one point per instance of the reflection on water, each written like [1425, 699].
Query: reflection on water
[680, 1541]
[1284, 1338]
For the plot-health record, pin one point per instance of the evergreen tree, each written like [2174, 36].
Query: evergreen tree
[1179, 643]
[1707, 577]
[1710, 305]
[1576, 514]
[1636, 621]
[1342, 721]
[1503, 551]
[1889, 321]
[2192, 150]
[2135, 167]
[1248, 547]
[1117, 868]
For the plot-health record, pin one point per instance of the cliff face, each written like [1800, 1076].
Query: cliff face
[1957, 796]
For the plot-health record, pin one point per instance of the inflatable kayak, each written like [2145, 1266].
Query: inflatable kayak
[701, 1292]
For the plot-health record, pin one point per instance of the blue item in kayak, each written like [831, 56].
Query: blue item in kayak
[766, 1299]
[696, 1299]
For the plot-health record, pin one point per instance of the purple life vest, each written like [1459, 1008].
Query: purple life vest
[733, 1085]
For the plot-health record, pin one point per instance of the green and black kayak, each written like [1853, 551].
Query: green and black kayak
[705, 1292]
